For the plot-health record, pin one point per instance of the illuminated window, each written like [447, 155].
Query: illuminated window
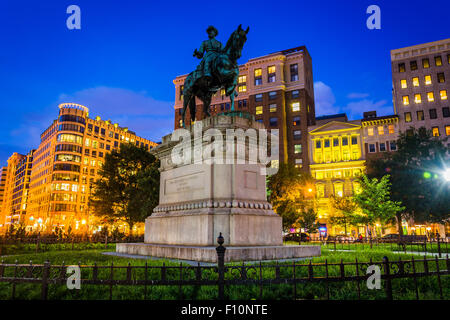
[298, 148]
[447, 130]
[242, 79]
[427, 80]
[435, 131]
[258, 72]
[259, 110]
[370, 131]
[271, 69]
[441, 77]
[299, 163]
[271, 74]
[380, 130]
[405, 100]
[417, 98]
[403, 84]
[415, 81]
[222, 92]
[391, 129]
[296, 106]
[258, 77]
[339, 189]
[401, 67]
[407, 116]
[338, 174]
[320, 190]
[420, 116]
[242, 88]
[425, 63]
[296, 121]
[87, 142]
[430, 96]
[319, 175]
[443, 94]
[180, 123]
[438, 61]
[273, 108]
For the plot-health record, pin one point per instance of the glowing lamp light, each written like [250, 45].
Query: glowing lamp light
[447, 174]
[427, 175]
[31, 218]
[83, 221]
[40, 220]
[309, 190]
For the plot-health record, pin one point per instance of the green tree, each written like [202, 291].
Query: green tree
[375, 203]
[345, 209]
[416, 170]
[288, 193]
[128, 188]
[308, 220]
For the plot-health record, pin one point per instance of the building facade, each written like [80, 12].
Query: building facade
[277, 89]
[57, 177]
[421, 78]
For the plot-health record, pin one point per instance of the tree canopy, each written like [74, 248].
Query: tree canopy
[128, 188]
[417, 175]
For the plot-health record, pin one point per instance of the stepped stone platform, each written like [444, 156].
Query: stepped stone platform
[208, 253]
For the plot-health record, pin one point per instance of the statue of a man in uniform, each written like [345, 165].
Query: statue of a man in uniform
[208, 51]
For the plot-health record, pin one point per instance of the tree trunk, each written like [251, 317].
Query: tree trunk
[399, 223]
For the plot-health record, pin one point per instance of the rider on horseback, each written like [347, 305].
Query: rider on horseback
[208, 51]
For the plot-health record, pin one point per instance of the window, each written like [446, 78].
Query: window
[242, 88]
[180, 97]
[448, 58]
[335, 142]
[391, 129]
[258, 77]
[393, 145]
[354, 140]
[433, 114]
[401, 67]
[271, 74]
[430, 96]
[297, 134]
[405, 100]
[294, 72]
[446, 112]
[296, 106]
[273, 108]
[344, 141]
[407, 116]
[326, 143]
[258, 97]
[447, 130]
[272, 95]
[417, 98]
[242, 79]
[403, 84]
[380, 130]
[427, 80]
[296, 121]
[318, 144]
[259, 110]
[441, 77]
[435, 131]
[420, 116]
[371, 147]
[273, 121]
[339, 189]
[415, 81]
[382, 146]
[320, 190]
[295, 94]
[370, 131]
[425, 63]
[297, 148]
[438, 61]
[443, 94]
[413, 65]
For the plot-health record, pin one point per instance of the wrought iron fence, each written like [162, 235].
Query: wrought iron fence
[326, 278]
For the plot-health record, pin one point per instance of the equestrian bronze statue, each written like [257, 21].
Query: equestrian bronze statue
[218, 69]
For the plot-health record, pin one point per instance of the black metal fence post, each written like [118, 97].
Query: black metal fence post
[439, 246]
[387, 274]
[45, 274]
[221, 265]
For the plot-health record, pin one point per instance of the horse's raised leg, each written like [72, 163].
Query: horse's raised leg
[206, 103]
[192, 107]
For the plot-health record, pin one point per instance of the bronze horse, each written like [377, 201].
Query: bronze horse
[224, 71]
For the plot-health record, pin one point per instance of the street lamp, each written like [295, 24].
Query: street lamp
[447, 174]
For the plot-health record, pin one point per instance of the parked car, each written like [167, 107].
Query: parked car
[303, 237]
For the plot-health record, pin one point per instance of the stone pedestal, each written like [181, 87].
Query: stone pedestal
[212, 192]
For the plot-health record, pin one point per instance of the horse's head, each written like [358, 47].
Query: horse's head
[236, 43]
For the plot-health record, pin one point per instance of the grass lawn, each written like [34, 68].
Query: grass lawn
[402, 288]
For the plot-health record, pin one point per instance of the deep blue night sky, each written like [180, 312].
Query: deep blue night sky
[122, 62]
